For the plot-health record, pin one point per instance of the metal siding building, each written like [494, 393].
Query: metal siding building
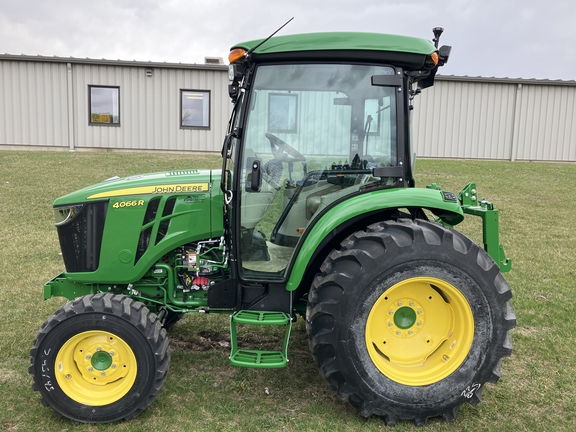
[45, 104]
[492, 118]
[33, 103]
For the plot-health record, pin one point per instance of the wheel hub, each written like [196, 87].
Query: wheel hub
[101, 360]
[405, 317]
[98, 358]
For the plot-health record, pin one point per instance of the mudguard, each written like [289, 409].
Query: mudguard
[444, 205]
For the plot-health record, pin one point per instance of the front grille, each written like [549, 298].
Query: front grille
[81, 239]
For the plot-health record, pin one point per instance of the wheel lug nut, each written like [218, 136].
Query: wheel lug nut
[113, 366]
[399, 303]
[111, 353]
[98, 349]
[68, 376]
[103, 373]
[88, 357]
[90, 369]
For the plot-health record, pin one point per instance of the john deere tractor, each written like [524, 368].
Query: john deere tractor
[314, 214]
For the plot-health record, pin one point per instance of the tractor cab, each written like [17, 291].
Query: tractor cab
[309, 132]
[314, 133]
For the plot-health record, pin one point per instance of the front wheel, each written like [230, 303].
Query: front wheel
[100, 359]
[409, 320]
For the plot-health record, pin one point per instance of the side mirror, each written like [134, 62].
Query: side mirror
[443, 54]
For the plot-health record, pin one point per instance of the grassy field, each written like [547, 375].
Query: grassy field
[204, 393]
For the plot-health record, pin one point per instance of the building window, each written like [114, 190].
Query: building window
[195, 109]
[104, 105]
[282, 112]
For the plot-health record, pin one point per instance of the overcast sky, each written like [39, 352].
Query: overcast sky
[501, 38]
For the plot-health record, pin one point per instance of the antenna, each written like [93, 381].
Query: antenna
[267, 39]
[437, 32]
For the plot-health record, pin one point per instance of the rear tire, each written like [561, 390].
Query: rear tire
[409, 320]
[100, 359]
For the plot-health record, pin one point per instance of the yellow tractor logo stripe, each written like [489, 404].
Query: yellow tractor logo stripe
[155, 190]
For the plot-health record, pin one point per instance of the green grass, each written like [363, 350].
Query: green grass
[203, 392]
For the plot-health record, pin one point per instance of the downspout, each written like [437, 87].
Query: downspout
[70, 107]
[516, 123]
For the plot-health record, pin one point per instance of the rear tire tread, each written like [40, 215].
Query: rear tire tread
[359, 253]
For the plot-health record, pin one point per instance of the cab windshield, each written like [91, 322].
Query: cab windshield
[313, 134]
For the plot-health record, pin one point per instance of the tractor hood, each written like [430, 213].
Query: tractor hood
[112, 231]
[160, 183]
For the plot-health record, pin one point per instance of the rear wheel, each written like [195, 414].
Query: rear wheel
[100, 358]
[409, 320]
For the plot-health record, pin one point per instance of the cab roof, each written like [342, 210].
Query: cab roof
[406, 51]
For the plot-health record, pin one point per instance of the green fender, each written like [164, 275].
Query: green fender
[444, 205]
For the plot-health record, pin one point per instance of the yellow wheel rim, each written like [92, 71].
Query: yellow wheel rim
[419, 331]
[95, 368]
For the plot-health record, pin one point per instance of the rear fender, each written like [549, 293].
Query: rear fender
[444, 205]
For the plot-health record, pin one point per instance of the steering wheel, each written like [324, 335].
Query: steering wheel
[284, 152]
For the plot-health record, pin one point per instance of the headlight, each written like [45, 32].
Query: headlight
[235, 72]
[64, 215]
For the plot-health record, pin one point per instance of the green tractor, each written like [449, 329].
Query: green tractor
[314, 213]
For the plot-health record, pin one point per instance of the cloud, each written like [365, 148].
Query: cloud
[529, 39]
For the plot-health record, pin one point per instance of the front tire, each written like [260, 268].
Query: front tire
[409, 320]
[100, 359]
